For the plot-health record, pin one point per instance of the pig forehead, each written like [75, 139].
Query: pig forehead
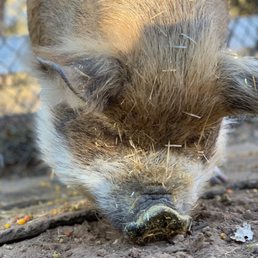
[160, 114]
[170, 77]
[109, 122]
[92, 135]
[127, 20]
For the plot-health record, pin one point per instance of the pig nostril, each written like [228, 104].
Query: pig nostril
[156, 191]
[146, 200]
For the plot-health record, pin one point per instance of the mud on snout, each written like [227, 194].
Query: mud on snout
[154, 202]
[159, 222]
[149, 216]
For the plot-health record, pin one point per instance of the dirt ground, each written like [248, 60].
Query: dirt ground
[65, 225]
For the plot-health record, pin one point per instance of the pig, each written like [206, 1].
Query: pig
[134, 95]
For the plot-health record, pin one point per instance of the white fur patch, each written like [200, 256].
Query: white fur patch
[56, 153]
[54, 93]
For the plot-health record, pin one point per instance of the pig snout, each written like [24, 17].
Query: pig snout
[156, 218]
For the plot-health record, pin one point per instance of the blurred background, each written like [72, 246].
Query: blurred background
[19, 92]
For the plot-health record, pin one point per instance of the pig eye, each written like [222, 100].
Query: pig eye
[47, 66]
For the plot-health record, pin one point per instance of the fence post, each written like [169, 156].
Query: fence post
[2, 5]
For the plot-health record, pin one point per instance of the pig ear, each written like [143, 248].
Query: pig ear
[97, 81]
[239, 80]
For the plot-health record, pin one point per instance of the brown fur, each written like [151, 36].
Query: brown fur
[134, 92]
[158, 74]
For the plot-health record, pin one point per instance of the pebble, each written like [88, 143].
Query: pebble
[223, 236]
[8, 247]
[56, 255]
[7, 225]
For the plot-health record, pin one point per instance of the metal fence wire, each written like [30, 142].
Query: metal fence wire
[19, 92]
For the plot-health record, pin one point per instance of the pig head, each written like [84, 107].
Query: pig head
[134, 93]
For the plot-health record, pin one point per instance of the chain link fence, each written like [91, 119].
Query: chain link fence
[243, 36]
[19, 92]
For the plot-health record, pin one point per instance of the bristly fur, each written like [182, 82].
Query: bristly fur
[134, 94]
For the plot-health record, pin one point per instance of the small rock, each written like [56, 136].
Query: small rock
[8, 247]
[115, 242]
[183, 255]
[160, 255]
[135, 253]
[243, 234]
[101, 253]
[223, 236]
[7, 225]
[23, 250]
[255, 251]
[178, 238]
[226, 199]
[197, 243]
[68, 232]
[207, 231]
[248, 215]
[56, 255]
